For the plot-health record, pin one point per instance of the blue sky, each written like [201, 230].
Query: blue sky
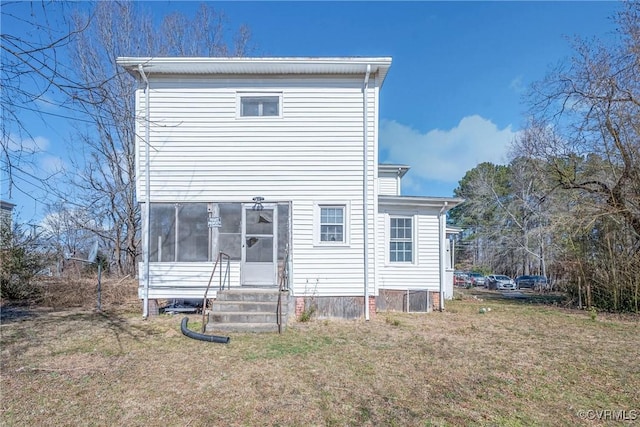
[453, 97]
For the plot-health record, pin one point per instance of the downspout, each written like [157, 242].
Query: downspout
[452, 248]
[442, 236]
[147, 197]
[365, 189]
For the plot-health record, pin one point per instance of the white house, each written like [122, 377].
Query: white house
[6, 213]
[274, 162]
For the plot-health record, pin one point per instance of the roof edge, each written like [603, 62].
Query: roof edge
[420, 201]
[401, 170]
[145, 60]
[352, 65]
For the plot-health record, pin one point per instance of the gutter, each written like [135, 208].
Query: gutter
[147, 196]
[442, 236]
[365, 189]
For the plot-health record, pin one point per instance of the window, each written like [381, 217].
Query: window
[193, 232]
[332, 224]
[162, 243]
[179, 232]
[401, 239]
[260, 106]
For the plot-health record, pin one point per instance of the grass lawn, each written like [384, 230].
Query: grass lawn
[517, 364]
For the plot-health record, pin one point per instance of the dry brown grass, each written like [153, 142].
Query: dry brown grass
[73, 292]
[519, 364]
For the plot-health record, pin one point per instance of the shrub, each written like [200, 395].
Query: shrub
[19, 263]
[307, 314]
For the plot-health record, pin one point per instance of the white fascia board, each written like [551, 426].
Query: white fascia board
[419, 202]
[399, 170]
[257, 66]
[454, 230]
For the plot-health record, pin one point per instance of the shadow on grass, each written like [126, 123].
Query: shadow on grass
[33, 326]
[10, 313]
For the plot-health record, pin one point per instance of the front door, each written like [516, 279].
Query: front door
[259, 245]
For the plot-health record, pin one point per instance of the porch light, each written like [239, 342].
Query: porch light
[257, 203]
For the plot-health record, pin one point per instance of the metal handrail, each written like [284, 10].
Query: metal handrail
[226, 280]
[284, 284]
[227, 271]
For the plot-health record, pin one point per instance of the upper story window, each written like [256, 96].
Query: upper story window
[259, 105]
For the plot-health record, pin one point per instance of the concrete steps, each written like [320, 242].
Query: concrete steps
[247, 310]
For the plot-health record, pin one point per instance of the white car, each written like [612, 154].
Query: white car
[500, 282]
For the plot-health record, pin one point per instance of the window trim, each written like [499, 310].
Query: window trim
[414, 240]
[317, 209]
[240, 95]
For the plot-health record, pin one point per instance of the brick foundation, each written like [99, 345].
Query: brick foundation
[299, 306]
[372, 307]
[435, 298]
[154, 307]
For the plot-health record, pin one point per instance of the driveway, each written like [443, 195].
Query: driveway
[522, 295]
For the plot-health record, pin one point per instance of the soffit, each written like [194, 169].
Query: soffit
[258, 66]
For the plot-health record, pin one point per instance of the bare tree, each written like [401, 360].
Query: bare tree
[594, 104]
[106, 184]
[485, 188]
[64, 234]
[585, 138]
[207, 34]
[34, 38]
[529, 215]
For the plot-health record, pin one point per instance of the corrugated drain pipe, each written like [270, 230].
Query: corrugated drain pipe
[147, 201]
[365, 185]
[201, 337]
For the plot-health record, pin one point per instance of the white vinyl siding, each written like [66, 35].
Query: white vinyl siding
[423, 272]
[388, 186]
[186, 280]
[201, 152]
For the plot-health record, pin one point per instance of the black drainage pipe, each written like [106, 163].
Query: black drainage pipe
[202, 337]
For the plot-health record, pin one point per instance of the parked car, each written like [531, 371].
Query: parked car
[460, 279]
[476, 279]
[500, 282]
[533, 282]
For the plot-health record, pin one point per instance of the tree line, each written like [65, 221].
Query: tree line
[567, 205]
